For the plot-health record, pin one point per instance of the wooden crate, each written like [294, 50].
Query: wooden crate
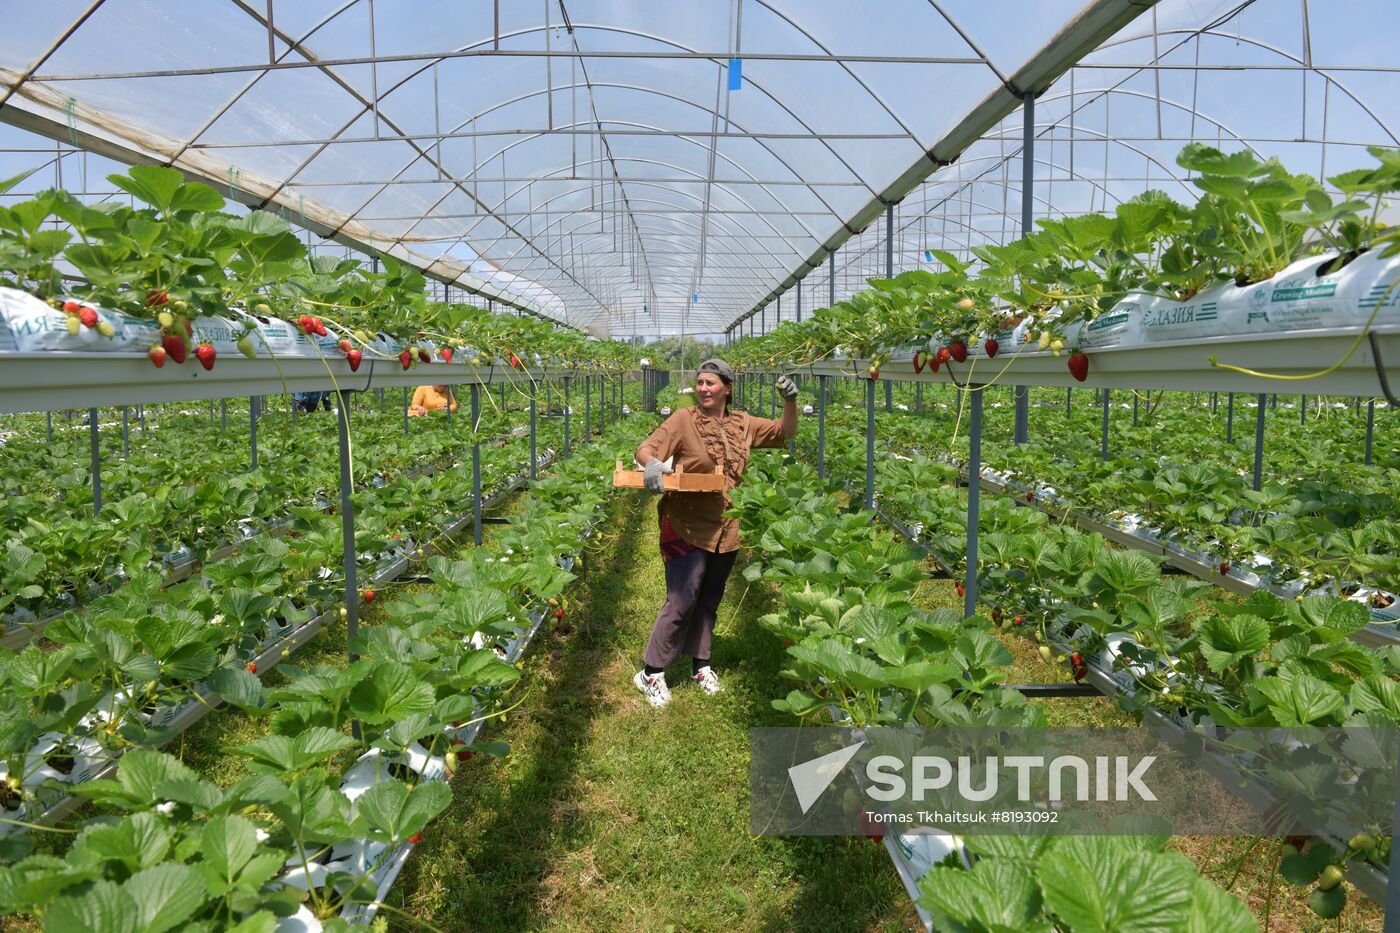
[679, 481]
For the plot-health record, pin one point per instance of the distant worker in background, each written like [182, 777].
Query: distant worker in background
[308, 401]
[431, 398]
[698, 544]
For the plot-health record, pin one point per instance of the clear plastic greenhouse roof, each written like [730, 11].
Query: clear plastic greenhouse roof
[650, 168]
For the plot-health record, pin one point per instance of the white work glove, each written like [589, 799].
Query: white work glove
[786, 387]
[652, 473]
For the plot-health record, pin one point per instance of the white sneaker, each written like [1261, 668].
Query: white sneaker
[708, 681]
[653, 687]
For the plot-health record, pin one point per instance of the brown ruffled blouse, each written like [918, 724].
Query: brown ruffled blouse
[699, 443]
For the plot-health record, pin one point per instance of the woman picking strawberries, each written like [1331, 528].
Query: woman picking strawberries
[698, 543]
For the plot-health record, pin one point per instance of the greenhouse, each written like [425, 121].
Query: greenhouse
[1016, 378]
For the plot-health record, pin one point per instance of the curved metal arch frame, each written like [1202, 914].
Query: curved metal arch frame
[644, 184]
[1268, 47]
[637, 124]
[373, 107]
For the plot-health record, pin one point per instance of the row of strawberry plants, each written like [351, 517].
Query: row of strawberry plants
[286, 841]
[1319, 523]
[173, 266]
[1154, 269]
[145, 656]
[1167, 646]
[173, 519]
[865, 655]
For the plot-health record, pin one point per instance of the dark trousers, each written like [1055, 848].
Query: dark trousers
[694, 588]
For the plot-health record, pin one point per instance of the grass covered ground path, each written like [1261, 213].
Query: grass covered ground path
[609, 815]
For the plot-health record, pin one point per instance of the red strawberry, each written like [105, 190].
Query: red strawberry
[71, 307]
[991, 347]
[942, 355]
[787, 642]
[156, 354]
[559, 613]
[345, 345]
[446, 354]
[206, 354]
[174, 345]
[354, 357]
[1079, 366]
[156, 298]
[933, 364]
[958, 351]
[1030, 497]
[414, 838]
[1224, 567]
[406, 359]
[424, 356]
[920, 358]
[304, 322]
[874, 372]
[88, 316]
[515, 361]
[320, 329]
[959, 587]
[1018, 620]
[252, 668]
[369, 596]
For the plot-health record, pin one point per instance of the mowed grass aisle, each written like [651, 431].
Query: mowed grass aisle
[609, 815]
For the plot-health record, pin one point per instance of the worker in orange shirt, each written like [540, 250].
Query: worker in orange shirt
[431, 398]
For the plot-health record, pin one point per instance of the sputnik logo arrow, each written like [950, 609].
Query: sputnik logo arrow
[811, 778]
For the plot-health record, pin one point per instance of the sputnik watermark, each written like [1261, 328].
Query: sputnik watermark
[1114, 777]
[813, 781]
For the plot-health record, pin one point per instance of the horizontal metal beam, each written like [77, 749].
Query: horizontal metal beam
[649, 55]
[541, 179]
[542, 131]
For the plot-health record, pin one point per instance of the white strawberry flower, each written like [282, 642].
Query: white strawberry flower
[166, 808]
[263, 835]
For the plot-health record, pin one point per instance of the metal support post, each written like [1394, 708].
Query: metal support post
[1370, 427]
[211, 411]
[1135, 408]
[602, 405]
[347, 533]
[889, 395]
[918, 398]
[1230, 419]
[476, 463]
[223, 414]
[534, 461]
[405, 411]
[587, 409]
[1259, 443]
[831, 280]
[126, 432]
[1103, 444]
[1214, 402]
[567, 380]
[48, 419]
[1021, 431]
[974, 488]
[253, 427]
[870, 444]
[821, 426]
[96, 462]
[451, 397]
[1069, 395]
[1303, 410]
[141, 417]
[504, 404]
